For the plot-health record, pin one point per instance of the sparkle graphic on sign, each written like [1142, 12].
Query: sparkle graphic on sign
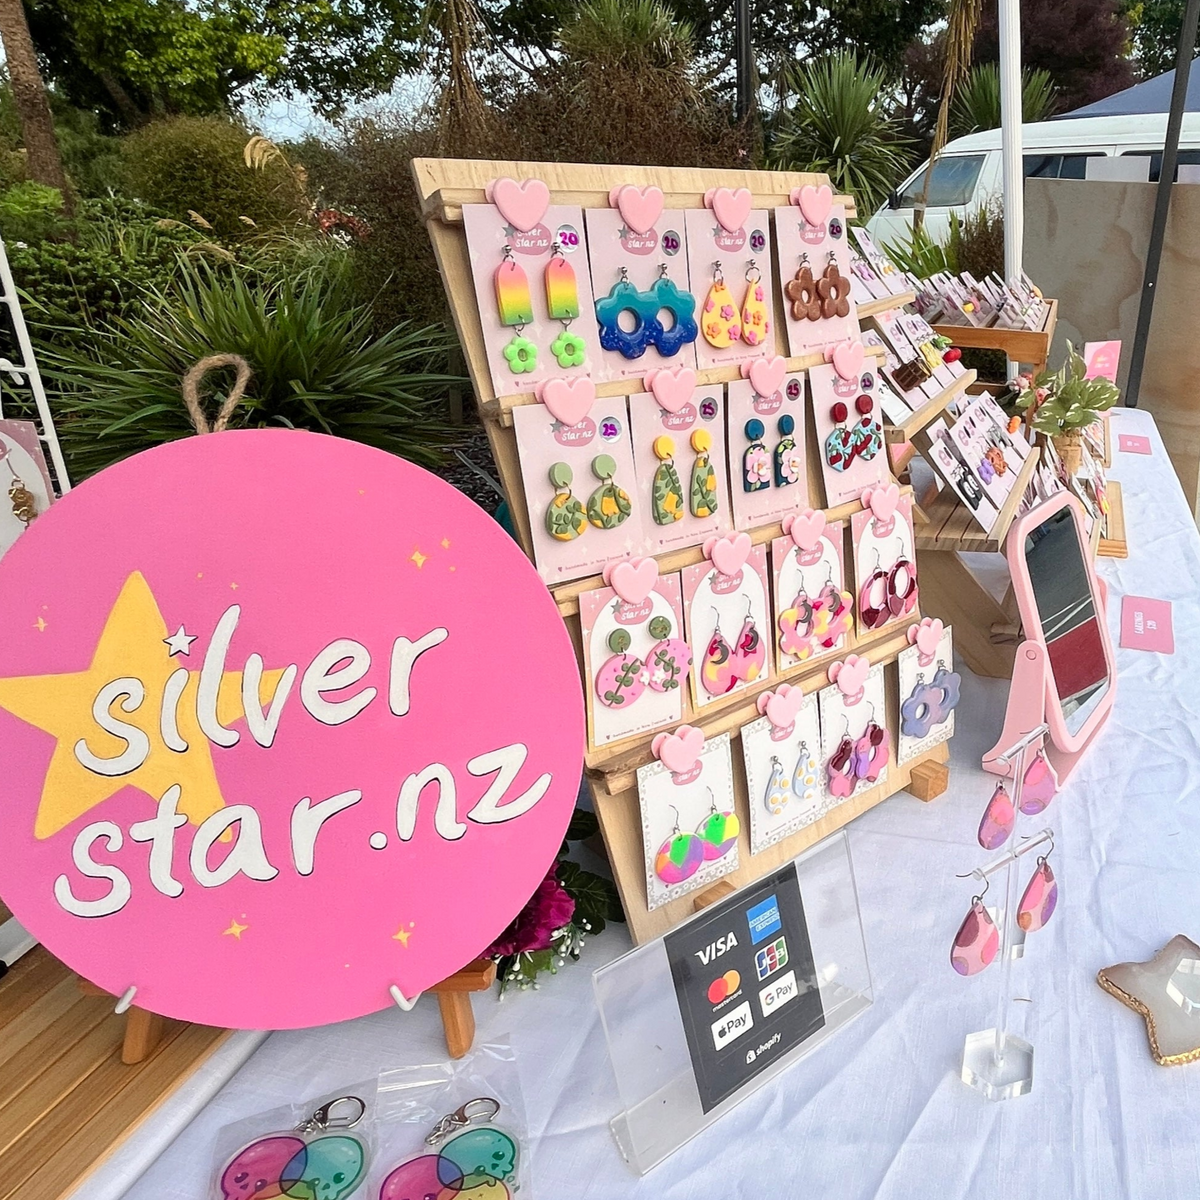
[402, 935]
[62, 706]
[419, 558]
[445, 543]
[40, 624]
[235, 929]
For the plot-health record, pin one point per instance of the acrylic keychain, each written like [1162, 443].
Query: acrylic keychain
[310, 1162]
[475, 1160]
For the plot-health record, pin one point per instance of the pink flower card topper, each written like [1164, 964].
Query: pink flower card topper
[680, 751]
[814, 202]
[926, 636]
[633, 579]
[671, 388]
[782, 706]
[522, 205]
[847, 358]
[639, 207]
[850, 675]
[805, 528]
[728, 554]
[765, 374]
[569, 400]
[729, 207]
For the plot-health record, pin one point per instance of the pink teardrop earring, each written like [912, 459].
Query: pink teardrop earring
[998, 820]
[978, 940]
[1040, 896]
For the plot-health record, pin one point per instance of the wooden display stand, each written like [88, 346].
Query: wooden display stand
[1030, 346]
[444, 186]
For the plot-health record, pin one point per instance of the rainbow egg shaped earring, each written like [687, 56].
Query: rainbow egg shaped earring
[642, 306]
[679, 857]
[669, 340]
[703, 492]
[718, 832]
[565, 516]
[609, 504]
[666, 492]
[562, 303]
[515, 306]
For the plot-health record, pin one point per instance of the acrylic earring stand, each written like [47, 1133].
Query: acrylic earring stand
[996, 1062]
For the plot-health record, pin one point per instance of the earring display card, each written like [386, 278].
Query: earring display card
[865, 285]
[728, 621]
[982, 448]
[898, 341]
[885, 589]
[883, 266]
[813, 609]
[784, 779]
[852, 450]
[641, 686]
[945, 459]
[736, 309]
[580, 520]
[814, 265]
[919, 330]
[846, 755]
[689, 824]
[646, 1020]
[25, 488]
[929, 672]
[640, 281]
[914, 397]
[1012, 441]
[679, 464]
[768, 466]
[527, 289]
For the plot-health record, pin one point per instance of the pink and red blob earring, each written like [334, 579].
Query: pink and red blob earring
[839, 770]
[749, 652]
[998, 820]
[900, 601]
[1038, 787]
[1040, 896]
[622, 678]
[873, 615]
[680, 856]
[872, 751]
[977, 941]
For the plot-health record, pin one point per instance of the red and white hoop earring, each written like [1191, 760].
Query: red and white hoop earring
[874, 615]
[901, 602]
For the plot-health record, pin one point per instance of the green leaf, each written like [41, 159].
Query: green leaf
[596, 898]
[583, 824]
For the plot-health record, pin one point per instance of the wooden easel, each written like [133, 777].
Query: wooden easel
[444, 186]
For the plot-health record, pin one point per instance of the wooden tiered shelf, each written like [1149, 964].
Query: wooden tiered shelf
[1030, 346]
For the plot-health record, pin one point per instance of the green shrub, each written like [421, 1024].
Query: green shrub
[194, 165]
[31, 212]
[316, 366]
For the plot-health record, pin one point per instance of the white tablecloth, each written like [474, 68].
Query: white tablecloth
[879, 1111]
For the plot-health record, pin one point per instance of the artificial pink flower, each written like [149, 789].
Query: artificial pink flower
[547, 911]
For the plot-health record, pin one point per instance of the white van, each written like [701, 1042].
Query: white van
[968, 172]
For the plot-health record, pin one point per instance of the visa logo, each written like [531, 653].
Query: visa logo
[715, 949]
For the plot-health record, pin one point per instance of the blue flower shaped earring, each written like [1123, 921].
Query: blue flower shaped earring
[644, 306]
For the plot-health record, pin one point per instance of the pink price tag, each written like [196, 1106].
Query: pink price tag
[1133, 443]
[1146, 625]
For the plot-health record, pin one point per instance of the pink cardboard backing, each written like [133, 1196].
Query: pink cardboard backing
[796, 238]
[1146, 625]
[487, 236]
[382, 833]
[867, 284]
[1102, 360]
[21, 458]
[828, 389]
[611, 246]
[793, 570]
[979, 441]
[898, 340]
[601, 612]
[709, 243]
[884, 267]
[649, 421]
[709, 595]
[1134, 443]
[843, 716]
[945, 460]
[882, 543]
[541, 442]
[771, 503]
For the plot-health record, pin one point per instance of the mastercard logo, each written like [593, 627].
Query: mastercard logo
[725, 986]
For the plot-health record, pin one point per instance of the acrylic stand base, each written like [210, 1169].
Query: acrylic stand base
[997, 1077]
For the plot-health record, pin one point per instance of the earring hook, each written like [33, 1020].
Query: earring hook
[987, 883]
[676, 812]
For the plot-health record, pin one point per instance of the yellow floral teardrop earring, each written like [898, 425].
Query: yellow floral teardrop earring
[666, 500]
[703, 492]
[515, 306]
[719, 321]
[756, 320]
[609, 504]
[562, 303]
[565, 518]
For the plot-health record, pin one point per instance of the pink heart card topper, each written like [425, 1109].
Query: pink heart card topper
[805, 528]
[728, 554]
[926, 636]
[765, 374]
[814, 202]
[730, 208]
[671, 388]
[569, 400]
[882, 502]
[680, 751]
[782, 706]
[850, 675]
[847, 358]
[633, 579]
[639, 207]
[522, 205]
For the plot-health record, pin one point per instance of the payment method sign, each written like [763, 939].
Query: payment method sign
[745, 983]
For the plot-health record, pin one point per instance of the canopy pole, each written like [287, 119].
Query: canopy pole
[1162, 201]
[1010, 136]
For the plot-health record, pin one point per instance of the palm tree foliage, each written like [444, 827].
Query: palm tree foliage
[977, 104]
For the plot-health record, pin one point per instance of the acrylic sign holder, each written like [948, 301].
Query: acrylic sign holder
[996, 1062]
[444, 186]
[661, 1103]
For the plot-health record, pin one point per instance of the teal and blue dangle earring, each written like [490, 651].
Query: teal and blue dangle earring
[643, 306]
[682, 307]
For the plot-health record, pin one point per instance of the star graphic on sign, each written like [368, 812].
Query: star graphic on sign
[402, 935]
[180, 642]
[445, 543]
[510, 231]
[623, 233]
[235, 929]
[419, 558]
[61, 705]
[40, 624]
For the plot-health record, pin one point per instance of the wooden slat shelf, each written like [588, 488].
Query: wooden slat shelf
[872, 308]
[1113, 542]
[1021, 345]
[929, 411]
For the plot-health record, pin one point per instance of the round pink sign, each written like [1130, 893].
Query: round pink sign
[285, 723]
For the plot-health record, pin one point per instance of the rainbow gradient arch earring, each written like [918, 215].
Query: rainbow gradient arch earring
[562, 303]
[515, 306]
[680, 856]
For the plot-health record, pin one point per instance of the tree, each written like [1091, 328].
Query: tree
[1154, 26]
[977, 102]
[29, 96]
[131, 60]
[1082, 44]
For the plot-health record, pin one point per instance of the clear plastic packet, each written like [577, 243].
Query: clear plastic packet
[452, 1130]
[322, 1149]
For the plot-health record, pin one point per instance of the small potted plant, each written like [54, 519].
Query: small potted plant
[1061, 404]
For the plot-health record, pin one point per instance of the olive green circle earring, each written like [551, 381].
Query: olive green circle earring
[565, 518]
